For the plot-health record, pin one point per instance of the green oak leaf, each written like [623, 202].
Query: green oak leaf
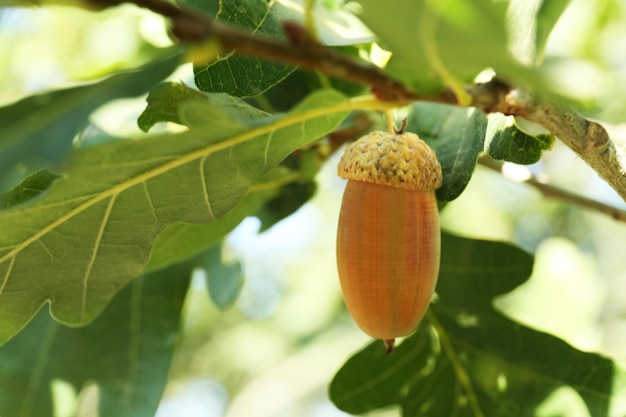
[163, 102]
[505, 141]
[246, 76]
[466, 358]
[93, 230]
[209, 7]
[29, 188]
[239, 75]
[127, 351]
[434, 43]
[457, 136]
[295, 194]
[292, 197]
[530, 23]
[224, 279]
[184, 240]
[38, 131]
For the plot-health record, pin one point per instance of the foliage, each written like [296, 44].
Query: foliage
[126, 351]
[457, 366]
[101, 238]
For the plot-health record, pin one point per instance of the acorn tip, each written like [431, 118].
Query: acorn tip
[389, 344]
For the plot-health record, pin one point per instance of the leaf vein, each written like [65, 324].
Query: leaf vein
[43, 245]
[366, 102]
[268, 144]
[461, 373]
[94, 254]
[7, 275]
[150, 203]
[205, 191]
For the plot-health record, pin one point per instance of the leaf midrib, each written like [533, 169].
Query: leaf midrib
[365, 102]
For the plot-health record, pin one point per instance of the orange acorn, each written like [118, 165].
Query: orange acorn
[388, 238]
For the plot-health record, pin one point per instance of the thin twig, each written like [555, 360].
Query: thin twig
[556, 193]
[588, 139]
[303, 50]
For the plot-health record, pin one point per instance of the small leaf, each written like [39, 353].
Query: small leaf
[93, 230]
[467, 359]
[163, 102]
[457, 136]
[38, 130]
[127, 351]
[505, 141]
[224, 279]
[27, 189]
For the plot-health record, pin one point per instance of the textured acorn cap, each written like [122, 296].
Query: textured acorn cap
[400, 160]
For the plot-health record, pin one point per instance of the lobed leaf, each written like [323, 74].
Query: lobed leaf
[93, 230]
[467, 359]
[457, 136]
[38, 130]
[127, 352]
[184, 240]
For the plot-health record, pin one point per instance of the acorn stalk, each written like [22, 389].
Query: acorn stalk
[388, 239]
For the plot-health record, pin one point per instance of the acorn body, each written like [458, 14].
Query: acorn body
[388, 240]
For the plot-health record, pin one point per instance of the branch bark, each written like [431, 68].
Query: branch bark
[587, 139]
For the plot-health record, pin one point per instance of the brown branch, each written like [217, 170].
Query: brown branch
[588, 139]
[556, 193]
[302, 50]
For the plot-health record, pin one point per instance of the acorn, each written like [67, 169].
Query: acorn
[388, 237]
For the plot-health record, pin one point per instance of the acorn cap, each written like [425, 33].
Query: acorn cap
[400, 160]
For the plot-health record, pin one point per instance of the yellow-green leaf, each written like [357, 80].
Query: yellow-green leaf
[93, 230]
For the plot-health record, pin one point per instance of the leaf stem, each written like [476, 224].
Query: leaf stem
[459, 370]
[309, 21]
